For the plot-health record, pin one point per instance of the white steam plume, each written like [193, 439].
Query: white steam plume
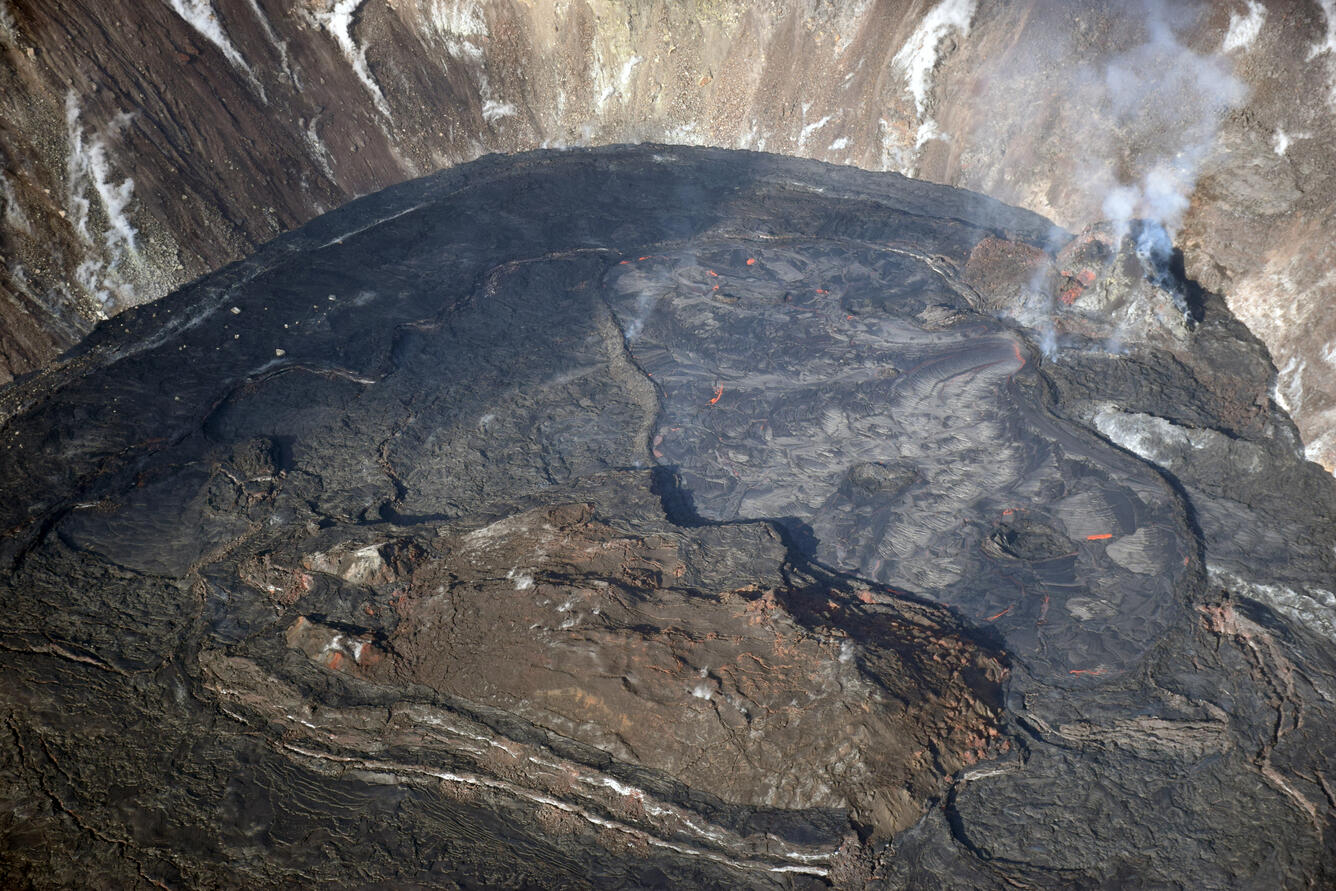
[200, 15]
[917, 59]
[14, 216]
[462, 25]
[644, 305]
[278, 44]
[88, 178]
[1244, 28]
[806, 132]
[1127, 117]
[8, 29]
[338, 21]
[1328, 45]
[1162, 104]
[493, 111]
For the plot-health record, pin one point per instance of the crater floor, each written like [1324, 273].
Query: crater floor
[645, 516]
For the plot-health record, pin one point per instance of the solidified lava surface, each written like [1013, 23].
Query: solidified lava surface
[657, 516]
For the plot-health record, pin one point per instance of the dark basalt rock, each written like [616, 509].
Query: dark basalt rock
[649, 516]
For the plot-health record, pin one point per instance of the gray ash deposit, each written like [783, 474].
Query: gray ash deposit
[652, 516]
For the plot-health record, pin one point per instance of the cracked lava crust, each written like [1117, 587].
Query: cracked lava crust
[648, 516]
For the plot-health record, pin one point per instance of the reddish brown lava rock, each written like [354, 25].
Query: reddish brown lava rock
[1001, 268]
[652, 643]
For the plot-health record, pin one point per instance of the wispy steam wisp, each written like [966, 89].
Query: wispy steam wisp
[1122, 105]
[1162, 104]
[1244, 27]
[89, 178]
[918, 57]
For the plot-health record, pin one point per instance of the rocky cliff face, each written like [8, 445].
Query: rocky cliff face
[660, 516]
[145, 144]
